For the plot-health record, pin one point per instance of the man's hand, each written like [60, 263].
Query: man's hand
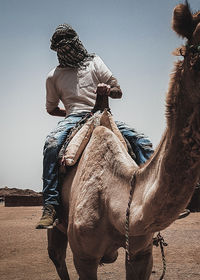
[113, 92]
[103, 89]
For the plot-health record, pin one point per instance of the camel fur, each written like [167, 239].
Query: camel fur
[96, 190]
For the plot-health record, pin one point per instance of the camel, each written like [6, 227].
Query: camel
[95, 192]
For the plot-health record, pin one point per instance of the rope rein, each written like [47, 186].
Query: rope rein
[159, 241]
[127, 219]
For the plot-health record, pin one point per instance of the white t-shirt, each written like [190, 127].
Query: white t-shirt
[75, 87]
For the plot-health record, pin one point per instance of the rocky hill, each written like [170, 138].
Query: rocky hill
[15, 191]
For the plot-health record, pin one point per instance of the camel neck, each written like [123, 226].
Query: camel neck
[172, 173]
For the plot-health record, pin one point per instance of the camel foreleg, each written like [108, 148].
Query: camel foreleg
[57, 245]
[86, 268]
[140, 266]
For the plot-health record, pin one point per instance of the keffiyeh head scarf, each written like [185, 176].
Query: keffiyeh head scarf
[70, 50]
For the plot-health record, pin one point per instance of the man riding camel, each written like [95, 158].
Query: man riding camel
[75, 82]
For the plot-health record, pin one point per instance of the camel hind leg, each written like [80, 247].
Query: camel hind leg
[57, 245]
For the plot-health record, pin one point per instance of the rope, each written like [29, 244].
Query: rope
[159, 241]
[127, 219]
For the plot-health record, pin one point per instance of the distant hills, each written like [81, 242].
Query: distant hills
[15, 191]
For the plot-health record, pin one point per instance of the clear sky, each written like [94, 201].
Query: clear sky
[135, 40]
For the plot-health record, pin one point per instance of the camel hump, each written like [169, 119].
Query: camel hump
[108, 121]
[82, 137]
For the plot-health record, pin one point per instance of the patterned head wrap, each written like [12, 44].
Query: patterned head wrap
[70, 50]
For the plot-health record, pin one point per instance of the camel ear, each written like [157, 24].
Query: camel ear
[182, 21]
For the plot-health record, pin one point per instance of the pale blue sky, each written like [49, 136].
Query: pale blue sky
[135, 40]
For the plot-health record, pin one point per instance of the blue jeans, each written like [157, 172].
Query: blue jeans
[52, 147]
[141, 146]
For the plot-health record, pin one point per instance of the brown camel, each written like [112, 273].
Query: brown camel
[95, 192]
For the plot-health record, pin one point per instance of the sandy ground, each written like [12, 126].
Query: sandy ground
[23, 254]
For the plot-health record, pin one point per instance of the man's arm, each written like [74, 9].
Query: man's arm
[58, 112]
[52, 99]
[106, 79]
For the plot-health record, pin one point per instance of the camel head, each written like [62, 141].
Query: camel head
[187, 25]
[183, 98]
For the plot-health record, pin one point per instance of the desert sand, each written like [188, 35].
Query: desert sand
[23, 253]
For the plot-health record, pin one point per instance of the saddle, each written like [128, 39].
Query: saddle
[79, 138]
